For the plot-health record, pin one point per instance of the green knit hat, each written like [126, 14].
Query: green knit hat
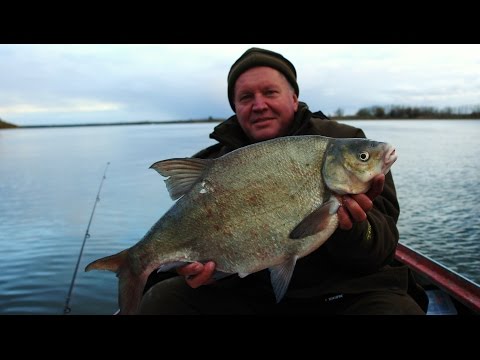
[260, 57]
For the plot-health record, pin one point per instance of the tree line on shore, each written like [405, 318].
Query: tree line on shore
[372, 112]
[412, 112]
[6, 125]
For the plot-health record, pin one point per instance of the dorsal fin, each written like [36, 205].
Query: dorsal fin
[182, 173]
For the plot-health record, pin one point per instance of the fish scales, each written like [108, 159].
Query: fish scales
[246, 231]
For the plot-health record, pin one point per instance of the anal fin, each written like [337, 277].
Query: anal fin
[280, 277]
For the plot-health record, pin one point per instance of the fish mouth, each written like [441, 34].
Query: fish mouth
[390, 157]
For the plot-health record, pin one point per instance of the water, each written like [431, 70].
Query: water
[49, 179]
[436, 177]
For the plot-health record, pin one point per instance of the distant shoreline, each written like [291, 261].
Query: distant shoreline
[116, 124]
[202, 121]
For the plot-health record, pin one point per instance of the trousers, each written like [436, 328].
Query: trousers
[174, 297]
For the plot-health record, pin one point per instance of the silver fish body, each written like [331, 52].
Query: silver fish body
[261, 206]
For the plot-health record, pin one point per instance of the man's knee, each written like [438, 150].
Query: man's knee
[384, 303]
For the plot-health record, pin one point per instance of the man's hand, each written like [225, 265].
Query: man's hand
[354, 207]
[197, 274]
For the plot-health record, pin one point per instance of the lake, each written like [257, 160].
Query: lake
[49, 179]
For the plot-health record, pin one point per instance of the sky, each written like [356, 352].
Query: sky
[100, 83]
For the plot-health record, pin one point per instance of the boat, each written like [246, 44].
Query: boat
[449, 293]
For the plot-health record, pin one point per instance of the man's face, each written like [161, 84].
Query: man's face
[265, 103]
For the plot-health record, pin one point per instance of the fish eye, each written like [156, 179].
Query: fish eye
[363, 156]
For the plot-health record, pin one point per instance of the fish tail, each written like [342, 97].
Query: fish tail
[130, 285]
[110, 263]
[130, 290]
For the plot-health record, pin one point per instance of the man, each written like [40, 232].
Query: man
[350, 274]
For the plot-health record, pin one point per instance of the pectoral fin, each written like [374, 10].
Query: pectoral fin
[316, 221]
[280, 276]
[182, 173]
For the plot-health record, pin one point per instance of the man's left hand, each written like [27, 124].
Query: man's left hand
[354, 207]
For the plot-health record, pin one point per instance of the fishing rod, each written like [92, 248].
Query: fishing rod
[67, 308]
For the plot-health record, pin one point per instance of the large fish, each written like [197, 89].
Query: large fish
[261, 206]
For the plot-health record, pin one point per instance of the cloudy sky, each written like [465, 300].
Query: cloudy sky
[64, 84]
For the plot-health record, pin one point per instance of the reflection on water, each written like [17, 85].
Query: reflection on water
[49, 179]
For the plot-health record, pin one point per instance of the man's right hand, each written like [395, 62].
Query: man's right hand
[355, 207]
[198, 274]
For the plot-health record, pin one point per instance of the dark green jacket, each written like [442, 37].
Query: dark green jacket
[350, 261]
